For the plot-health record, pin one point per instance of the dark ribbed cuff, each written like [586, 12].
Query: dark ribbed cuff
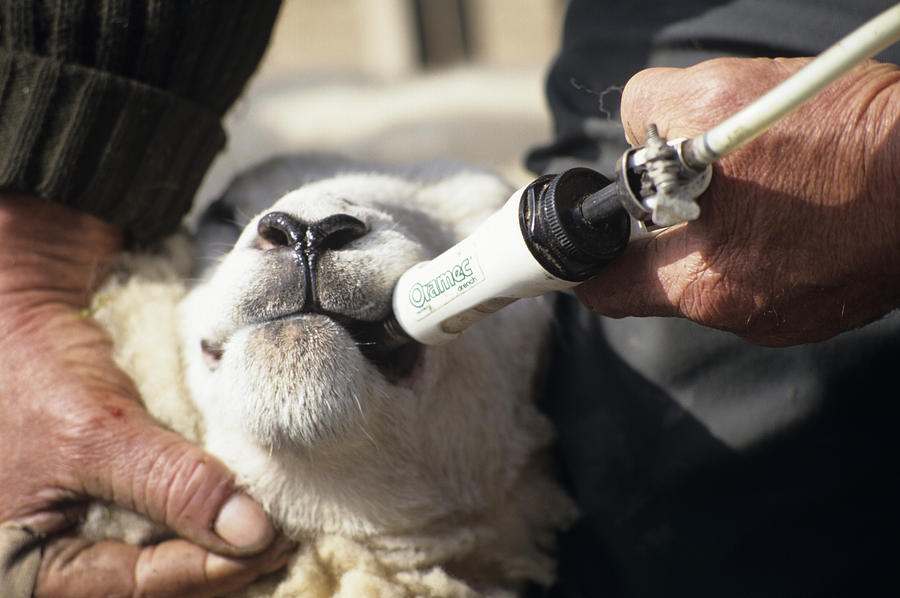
[131, 154]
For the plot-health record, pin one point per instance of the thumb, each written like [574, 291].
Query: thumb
[685, 102]
[646, 99]
[156, 473]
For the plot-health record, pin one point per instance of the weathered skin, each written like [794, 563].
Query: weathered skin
[73, 428]
[799, 232]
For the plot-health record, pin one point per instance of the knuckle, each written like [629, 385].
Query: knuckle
[184, 486]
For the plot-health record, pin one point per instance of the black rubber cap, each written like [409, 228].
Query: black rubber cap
[566, 242]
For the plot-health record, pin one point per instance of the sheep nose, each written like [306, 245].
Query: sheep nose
[280, 229]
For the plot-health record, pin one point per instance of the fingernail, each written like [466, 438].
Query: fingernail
[243, 524]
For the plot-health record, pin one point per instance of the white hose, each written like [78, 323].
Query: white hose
[866, 41]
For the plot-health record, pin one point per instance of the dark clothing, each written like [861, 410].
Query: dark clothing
[114, 108]
[706, 466]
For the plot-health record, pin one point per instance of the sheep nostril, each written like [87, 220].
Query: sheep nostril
[279, 229]
[335, 231]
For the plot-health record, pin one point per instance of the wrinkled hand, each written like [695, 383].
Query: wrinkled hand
[72, 427]
[799, 236]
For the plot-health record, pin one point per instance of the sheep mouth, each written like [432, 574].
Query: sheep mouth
[395, 361]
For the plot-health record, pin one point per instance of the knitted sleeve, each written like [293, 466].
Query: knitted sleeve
[114, 107]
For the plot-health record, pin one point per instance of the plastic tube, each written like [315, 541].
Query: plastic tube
[866, 41]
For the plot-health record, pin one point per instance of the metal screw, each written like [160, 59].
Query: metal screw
[669, 204]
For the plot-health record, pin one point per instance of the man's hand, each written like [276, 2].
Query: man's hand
[72, 428]
[799, 236]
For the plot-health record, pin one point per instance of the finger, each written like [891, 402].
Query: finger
[685, 102]
[156, 473]
[624, 287]
[640, 99]
[653, 277]
[75, 568]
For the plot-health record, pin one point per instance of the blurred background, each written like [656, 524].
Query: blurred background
[398, 81]
[395, 38]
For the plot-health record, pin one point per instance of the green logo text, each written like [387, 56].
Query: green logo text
[422, 293]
